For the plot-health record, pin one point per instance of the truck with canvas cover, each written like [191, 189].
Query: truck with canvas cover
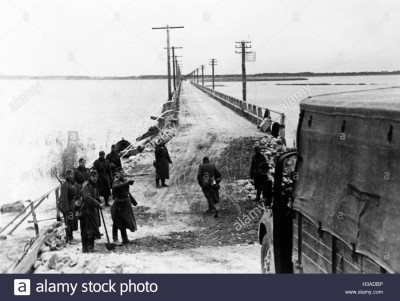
[343, 211]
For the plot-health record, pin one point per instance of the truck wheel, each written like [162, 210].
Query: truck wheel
[267, 256]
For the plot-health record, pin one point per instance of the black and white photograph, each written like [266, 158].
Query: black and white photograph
[200, 137]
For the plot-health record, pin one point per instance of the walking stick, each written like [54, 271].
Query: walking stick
[109, 246]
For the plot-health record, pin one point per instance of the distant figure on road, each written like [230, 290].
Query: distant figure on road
[81, 174]
[161, 163]
[114, 160]
[103, 167]
[265, 124]
[275, 129]
[90, 221]
[259, 173]
[209, 178]
[121, 210]
[68, 197]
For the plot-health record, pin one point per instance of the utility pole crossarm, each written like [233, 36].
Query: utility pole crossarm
[170, 27]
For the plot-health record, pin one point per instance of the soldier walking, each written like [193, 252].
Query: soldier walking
[209, 178]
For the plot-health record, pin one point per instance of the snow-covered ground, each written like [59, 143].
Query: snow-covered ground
[36, 115]
[174, 234]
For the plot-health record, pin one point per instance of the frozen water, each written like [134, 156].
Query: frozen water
[36, 115]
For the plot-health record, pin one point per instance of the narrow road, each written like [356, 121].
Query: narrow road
[205, 129]
[175, 235]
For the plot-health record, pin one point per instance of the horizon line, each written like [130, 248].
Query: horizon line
[206, 75]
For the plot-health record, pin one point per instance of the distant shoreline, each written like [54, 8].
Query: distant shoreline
[221, 77]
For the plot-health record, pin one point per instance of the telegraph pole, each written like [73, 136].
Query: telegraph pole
[168, 56]
[202, 75]
[197, 75]
[243, 45]
[179, 67]
[173, 64]
[178, 71]
[176, 68]
[213, 62]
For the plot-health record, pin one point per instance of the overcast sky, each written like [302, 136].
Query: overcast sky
[110, 37]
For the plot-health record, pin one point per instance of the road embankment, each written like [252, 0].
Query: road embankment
[175, 235]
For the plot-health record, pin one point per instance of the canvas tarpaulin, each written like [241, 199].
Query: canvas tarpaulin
[349, 170]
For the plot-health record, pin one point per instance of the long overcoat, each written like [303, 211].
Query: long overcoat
[121, 210]
[81, 174]
[103, 167]
[162, 162]
[68, 195]
[209, 171]
[90, 222]
[115, 161]
[259, 179]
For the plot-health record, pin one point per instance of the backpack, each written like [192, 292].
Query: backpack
[263, 168]
[209, 182]
[206, 180]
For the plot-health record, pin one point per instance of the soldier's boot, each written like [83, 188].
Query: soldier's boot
[215, 209]
[124, 236]
[90, 244]
[70, 237]
[68, 232]
[163, 183]
[71, 241]
[84, 243]
[158, 183]
[210, 207]
[115, 235]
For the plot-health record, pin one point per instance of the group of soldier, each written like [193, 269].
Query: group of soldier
[208, 176]
[85, 192]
